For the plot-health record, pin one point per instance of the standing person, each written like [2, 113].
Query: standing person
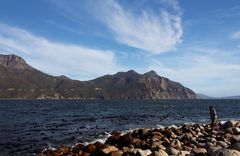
[213, 116]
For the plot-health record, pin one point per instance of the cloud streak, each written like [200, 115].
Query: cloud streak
[205, 70]
[144, 27]
[57, 58]
[154, 32]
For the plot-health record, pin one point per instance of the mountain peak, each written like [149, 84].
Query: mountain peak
[132, 71]
[13, 62]
[151, 73]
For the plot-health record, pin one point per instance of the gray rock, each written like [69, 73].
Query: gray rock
[142, 132]
[228, 137]
[226, 152]
[183, 153]
[143, 152]
[172, 151]
[236, 130]
[176, 144]
[159, 153]
[212, 150]
[222, 144]
[210, 139]
[199, 151]
[209, 144]
[229, 124]
[201, 145]
[235, 146]
[158, 145]
[236, 139]
[230, 131]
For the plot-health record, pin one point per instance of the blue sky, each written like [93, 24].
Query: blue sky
[196, 43]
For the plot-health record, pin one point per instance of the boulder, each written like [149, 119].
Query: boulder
[212, 150]
[145, 144]
[235, 146]
[229, 131]
[228, 137]
[201, 145]
[162, 152]
[65, 150]
[159, 153]
[199, 151]
[172, 151]
[116, 134]
[183, 153]
[157, 145]
[143, 132]
[141, 152]
[90, 148]
[226, 152]
[209, 144]
[109, 149]
[113, 140]
[85, 154]
[49, 153]
[136, 142]
[125, 140]
[176, 144]
[229, 124]
[156, 137]
[187, 148]
[127, 150]
[177, 131]
[236, 139]
[236, 130]
[76, 150]
[222, 144]
[117, 153]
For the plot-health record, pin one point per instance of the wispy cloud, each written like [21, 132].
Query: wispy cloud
[57, 58]
[154, 28]
[206, 70]
[154, 32]
[235, 35]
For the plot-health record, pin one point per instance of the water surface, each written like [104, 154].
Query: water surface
[27, 126]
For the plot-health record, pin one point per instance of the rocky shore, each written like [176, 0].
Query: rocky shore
[193, 140]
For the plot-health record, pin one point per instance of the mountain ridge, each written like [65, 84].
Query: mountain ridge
[14, 62]
[20, 80]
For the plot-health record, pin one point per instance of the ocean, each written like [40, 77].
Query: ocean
[29, 126]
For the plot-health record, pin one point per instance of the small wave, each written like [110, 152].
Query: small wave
[223, 121]
[189, 123]
[160, 126]
[101, 139]
[50, 147]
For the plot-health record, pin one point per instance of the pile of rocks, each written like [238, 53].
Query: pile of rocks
[197, 139]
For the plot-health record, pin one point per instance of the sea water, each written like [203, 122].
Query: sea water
[29, 126]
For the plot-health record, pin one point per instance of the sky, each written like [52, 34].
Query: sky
[196, 43]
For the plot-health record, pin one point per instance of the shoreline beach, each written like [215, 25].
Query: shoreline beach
[187, 139]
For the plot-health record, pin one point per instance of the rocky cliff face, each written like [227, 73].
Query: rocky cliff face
[132, 85]
[14, 62]
[19, 80]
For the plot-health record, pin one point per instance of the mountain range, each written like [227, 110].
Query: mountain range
[19, 80]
